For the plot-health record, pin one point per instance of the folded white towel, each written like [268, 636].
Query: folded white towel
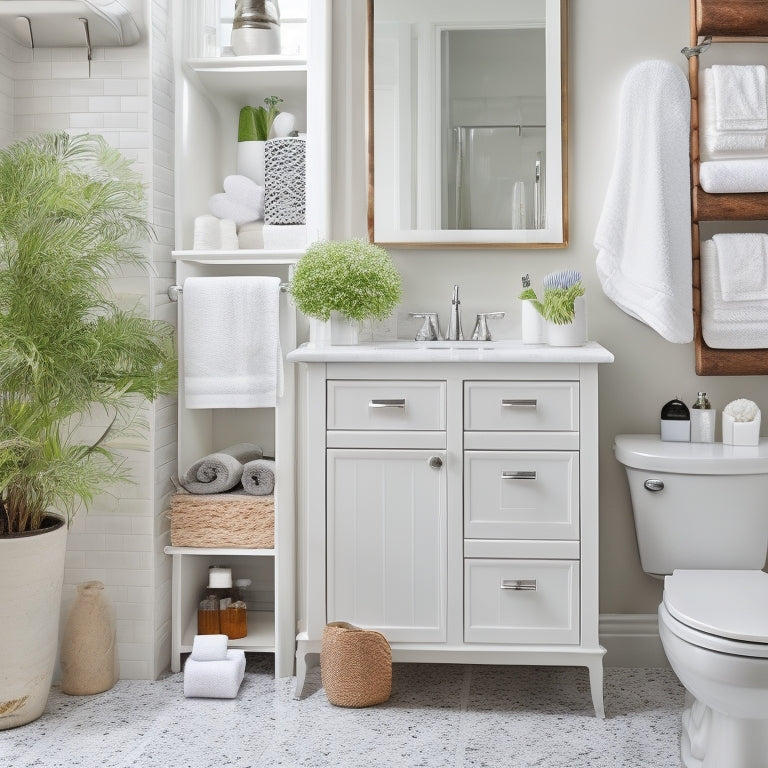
[251, 235]
[209, 647]
[285, 237]
[728, 324]
[215, 679]
[259, 477]
[741, 260]
[643, 237]
[715, 144]
[735, 175]
[231, 342]
[740, 97]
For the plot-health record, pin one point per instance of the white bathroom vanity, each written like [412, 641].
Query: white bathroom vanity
[448, 498]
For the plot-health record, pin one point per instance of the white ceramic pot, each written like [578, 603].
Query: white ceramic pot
[572, 334]
[319, 332]
[249, 41]
[250, 160]
[344, 330]
[741, 432]
[534, 327]
[283, 125]
[32, 574]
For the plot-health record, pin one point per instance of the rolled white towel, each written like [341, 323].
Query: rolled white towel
[229, 240]
[215, 679]
[209, 647]
[224, 207]
[734, 175]
[259, 477]
[207, 233]
[221, 471]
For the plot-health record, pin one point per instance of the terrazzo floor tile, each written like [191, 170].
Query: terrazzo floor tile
[439, 716]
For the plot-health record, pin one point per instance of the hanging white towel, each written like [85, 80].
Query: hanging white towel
[740, 97]
[231, 342]
[643, 237]
[742, 260]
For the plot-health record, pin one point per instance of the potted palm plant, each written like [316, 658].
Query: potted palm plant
[72, 213]
[349, 280]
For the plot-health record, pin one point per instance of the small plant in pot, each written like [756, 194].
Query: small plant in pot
[72, 213]
[355, 279]
[563, 292]
[254, 125]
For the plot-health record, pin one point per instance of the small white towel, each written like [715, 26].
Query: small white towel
[251, 235]
[737, 175]
[643, 237]
[740, 97]
[209, 648]
[716, 144]
[215, 679]
[231, 342]
[742, 263]
[728, 324]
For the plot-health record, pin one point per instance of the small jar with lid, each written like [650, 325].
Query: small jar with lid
[234, 618]
[208, 615]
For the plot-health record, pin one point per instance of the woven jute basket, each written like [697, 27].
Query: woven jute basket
[355, 665]
[222, 520]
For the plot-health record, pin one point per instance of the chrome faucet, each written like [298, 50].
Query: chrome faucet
[455, 333]
[482, 332]
[430, 330]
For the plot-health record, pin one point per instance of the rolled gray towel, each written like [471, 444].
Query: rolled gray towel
[259, 477]
[221, 471]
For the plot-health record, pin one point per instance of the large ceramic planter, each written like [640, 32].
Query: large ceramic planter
[31, 574]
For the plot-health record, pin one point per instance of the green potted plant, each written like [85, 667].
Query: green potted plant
[354, 279]
[72, 212]
[562, 308]
[253, 129]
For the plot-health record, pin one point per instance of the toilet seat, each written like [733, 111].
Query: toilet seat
[725, 611]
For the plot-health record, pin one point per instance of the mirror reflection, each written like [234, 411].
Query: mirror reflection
[466, 122]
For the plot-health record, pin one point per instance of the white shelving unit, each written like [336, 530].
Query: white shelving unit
[209, 95]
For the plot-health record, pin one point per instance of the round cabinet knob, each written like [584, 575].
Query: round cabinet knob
[654, 485]
[435, 462]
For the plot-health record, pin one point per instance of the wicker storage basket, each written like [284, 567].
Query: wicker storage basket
[222, 520]
[355, 665]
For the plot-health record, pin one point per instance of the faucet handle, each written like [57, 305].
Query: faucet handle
[482, 332]
[430, 329]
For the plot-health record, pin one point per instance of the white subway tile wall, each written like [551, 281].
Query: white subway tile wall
[128, 98]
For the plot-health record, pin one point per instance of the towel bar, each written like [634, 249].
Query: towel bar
[174, 291]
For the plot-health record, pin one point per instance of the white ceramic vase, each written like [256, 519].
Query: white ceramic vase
[534, 327]
[32, 574]
[283, 125]
[250, 160]
[338, 330]
[249, 41]
[571, 334]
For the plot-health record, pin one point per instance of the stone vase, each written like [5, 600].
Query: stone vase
[88, 648]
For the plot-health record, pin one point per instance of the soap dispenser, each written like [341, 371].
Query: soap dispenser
[702, 420]
[676, 422]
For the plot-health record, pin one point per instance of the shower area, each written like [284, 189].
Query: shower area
[493, 118]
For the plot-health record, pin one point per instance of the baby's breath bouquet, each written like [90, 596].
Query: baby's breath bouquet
[353, 277]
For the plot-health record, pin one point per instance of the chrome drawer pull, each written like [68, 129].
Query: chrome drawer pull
[519, 585]
[520, 403]
[522, 474]
[394, 403]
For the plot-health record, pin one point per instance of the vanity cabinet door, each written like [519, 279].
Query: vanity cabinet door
[386, 539]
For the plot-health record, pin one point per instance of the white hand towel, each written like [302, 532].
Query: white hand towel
[231, 342]
[741, 260]
[643, 237]
[715, 144]
[209, 647]
[737, 175]
[724, 324]
[740, 97]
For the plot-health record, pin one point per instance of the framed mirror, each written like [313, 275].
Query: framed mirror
[467, 123]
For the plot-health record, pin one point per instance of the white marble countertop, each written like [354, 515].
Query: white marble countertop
[504, 351]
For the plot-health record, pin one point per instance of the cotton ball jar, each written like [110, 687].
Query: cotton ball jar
[741, 423]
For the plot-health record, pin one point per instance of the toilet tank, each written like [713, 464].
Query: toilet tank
[697, 505]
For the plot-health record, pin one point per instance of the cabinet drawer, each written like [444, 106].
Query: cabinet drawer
[521, 601]
[521, 406]
[417, 405]
[521, 495]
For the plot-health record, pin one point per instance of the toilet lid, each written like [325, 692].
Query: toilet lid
[732, 604]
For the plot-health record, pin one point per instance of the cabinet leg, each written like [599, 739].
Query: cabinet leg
[307, 657]
[596, 687]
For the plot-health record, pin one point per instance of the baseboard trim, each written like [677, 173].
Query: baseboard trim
[631, 640]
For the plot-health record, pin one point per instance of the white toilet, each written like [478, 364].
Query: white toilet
[701, 516]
